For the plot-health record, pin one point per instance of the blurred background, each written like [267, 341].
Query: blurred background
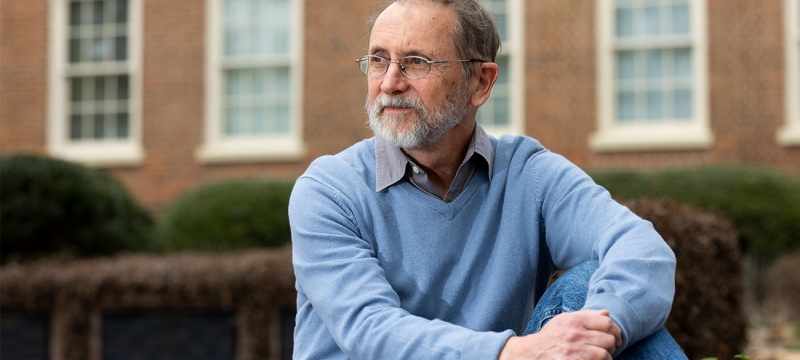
[174, 127]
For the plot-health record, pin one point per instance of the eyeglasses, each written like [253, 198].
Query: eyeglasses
[412, 66]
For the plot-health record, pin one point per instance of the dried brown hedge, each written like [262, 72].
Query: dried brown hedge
[255, 284]
[707, 316]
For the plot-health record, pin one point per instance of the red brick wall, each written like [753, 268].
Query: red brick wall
[23, 75]
[746, 79]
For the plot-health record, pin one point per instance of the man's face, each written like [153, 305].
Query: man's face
[413, 113]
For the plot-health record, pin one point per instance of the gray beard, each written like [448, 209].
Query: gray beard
[426, 130]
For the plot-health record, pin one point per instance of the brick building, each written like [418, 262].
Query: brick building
[170, 95]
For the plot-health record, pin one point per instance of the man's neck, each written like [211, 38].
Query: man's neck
[442, 159]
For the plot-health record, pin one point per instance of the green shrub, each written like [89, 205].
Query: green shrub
[229, 216]
[52, 206]
[763, 205]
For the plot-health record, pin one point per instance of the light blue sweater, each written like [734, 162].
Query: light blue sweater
[399, 274]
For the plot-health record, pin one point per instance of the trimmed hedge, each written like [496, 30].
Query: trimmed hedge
[763, 205]
[227, 216]
[707, 316]
[54, 206]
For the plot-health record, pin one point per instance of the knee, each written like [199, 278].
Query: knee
[578, 276]
[582, 272]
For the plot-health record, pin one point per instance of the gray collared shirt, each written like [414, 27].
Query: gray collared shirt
[393, 165]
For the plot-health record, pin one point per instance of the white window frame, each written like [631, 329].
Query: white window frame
[514, 49]
[614, 136]
[789, 134]
[216, 147]
[104, 152]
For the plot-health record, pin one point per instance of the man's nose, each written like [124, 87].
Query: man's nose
[394, 81]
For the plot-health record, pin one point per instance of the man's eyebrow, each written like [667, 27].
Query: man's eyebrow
[413, 52]
[376, 49]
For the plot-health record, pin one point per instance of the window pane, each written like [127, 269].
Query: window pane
[231, 121]
[256, 27]
[99, 88]
[99, 49]
[683, 62]
[122, 87]
[99, 126]
[120, 48]
[76, 89]
[260, 82]
[235, 10]
[74, 50]
[282, 81]
[626, 106]
[502, 26]
[654, 63]
[121, 11]
[498, 10]
[75, 127]
[282, 125]
[680, 19]
[624, 22]
[236, 82]
[74, 13]
[655, 107]
[652, 16]
[501, 117]
[97, 12]
[683, 104]
[122, 126]
[259, 120]
[278, 42]
[625, 65]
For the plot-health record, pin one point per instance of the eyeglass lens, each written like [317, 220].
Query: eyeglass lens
[411, 66]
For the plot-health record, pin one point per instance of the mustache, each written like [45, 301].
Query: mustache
[383, 101]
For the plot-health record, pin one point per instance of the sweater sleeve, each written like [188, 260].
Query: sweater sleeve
[636, 277]
[341, 280]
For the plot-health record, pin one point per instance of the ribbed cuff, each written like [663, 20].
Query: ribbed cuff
[623, 315]
[485, 345]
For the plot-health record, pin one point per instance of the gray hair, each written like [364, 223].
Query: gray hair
[475, 37]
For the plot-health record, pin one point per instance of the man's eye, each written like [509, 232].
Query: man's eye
[417, 61]
[378, 60]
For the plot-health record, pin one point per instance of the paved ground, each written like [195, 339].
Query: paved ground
[773, 343]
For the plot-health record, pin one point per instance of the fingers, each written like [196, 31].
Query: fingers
[604, 323]
[585, 330]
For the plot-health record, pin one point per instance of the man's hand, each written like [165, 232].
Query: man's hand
[585, 334]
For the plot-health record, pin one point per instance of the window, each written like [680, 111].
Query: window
[94, 112]
[789, 135]
[253, 81]
[503, 112]
[651, 75]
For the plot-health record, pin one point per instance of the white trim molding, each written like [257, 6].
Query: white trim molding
[512, 49]
[789, 134]
[125, 150]
[219, 148]
[665, 134]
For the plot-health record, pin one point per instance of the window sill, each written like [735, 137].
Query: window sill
[789, 135]
[101, 154]
[250, 150]
[660, 137]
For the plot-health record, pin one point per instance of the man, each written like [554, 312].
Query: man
[430, 240]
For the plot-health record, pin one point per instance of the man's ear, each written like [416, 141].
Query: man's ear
[485, 77]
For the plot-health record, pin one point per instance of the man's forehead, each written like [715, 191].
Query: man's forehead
[414, 26]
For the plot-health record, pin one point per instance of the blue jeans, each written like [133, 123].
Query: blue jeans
[568, 293]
